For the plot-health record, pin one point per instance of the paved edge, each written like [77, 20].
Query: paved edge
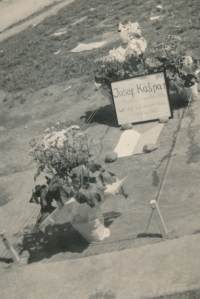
[145, 272]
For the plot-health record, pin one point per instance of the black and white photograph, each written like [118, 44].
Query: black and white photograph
[99, 149]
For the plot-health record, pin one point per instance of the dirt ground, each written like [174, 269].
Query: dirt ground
[127, 218]
[25, 114]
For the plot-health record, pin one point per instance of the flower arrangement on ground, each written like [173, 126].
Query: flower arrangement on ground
[64, 154]
[137, 59]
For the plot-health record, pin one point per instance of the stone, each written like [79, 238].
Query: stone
[150, 147]
[126, 126]
[154, 18]
[163, 119]
[159, 7]
[111, 157]
[48, 93]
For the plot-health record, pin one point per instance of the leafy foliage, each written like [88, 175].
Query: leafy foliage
[168, 56]
[123, 63]
[85, 182]
[64, 154]
[60, 151]
[92, 194]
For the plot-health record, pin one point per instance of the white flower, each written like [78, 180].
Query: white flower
[188, 66]
[47, 130]
[129, 31]
[117, 54]
[74, 127]
[79, 134]
[97, 85]
[136, 46]
[51, 139]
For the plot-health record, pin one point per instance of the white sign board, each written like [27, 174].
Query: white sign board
[141, 98]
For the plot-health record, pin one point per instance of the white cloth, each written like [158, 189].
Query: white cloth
[127, 143]
[87, 221]
[114, 188]
[93, 231]
[132, 141]
[59, 216]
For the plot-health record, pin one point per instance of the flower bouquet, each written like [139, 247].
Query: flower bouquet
[75, 182]
[121, 63]
[180, 69]
[136, 59]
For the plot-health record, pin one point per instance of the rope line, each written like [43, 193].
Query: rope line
[92, 114]
[22, 214]
[15, 239]
[169, 162]
[149, 221]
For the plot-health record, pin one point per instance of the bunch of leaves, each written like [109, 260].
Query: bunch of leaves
[107, 70]
[169, 56]
[61, 159]
[92, 194]
[134, 66]
[85, 182]
[89, 183]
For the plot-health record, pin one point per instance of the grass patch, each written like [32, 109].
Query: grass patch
[28, 60]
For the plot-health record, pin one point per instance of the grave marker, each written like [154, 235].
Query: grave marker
[141, 99]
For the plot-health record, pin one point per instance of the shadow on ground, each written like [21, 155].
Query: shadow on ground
[107, 116]
[144, 235]
[103, 115]
[109, 217]
[176, 102]
[192, 294]
[58, 239]
[6, 260]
